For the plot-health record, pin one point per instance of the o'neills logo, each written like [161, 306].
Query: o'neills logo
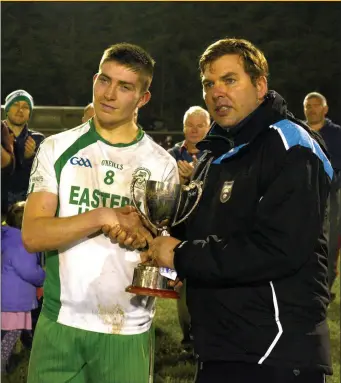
[112, 164]
[226, 191]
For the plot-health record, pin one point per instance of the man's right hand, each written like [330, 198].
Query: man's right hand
[7, 140]
[186, 169]
[126, 228]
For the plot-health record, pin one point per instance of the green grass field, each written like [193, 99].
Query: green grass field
[171, 366]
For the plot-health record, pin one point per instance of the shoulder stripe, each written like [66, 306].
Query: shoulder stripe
[88, 138]
[294, 135]
[230, 153]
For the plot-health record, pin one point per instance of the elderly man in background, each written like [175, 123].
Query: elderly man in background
[196, 126]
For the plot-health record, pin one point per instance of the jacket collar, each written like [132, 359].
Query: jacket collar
[272, 109]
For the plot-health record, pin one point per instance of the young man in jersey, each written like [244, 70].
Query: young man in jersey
[90, 329]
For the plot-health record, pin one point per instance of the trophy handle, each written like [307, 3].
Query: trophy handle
[192, 185]
[144, 216]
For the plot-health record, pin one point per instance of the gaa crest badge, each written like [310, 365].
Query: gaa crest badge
[142, 175]
[226, 191]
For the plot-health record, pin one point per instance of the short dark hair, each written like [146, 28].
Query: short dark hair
[133, 57]
[316, 95]
[255, 63]
[15, 214]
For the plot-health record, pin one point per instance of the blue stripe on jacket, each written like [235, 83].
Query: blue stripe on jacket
[292, 135]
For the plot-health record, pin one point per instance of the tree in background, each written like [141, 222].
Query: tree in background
[52, 49]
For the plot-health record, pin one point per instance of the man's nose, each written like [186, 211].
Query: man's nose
[111, 92]
[219, 90]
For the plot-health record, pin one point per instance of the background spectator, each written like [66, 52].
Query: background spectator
[89, 112]
[196, 124]
[315, 110]
[7, 164]
[20, 275]
[18, 108]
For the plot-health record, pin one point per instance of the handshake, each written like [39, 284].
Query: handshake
[128, 229]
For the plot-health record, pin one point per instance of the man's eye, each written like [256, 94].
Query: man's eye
[208, 85]
[230, 81]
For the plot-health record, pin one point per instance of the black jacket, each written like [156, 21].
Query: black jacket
[255, 252]
[17, 183]
[331, 133]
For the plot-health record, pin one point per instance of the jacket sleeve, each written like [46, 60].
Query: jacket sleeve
[287, 224]
[38, 138]
[27, 267]
[171, 151]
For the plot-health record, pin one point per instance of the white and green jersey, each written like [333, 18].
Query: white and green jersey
[85, 282]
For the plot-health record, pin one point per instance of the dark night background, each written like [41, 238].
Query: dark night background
[52, 50]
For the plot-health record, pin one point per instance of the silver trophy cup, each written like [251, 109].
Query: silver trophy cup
[162, 202]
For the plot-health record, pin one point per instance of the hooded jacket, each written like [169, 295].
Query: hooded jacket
[255, 250]
[20, 273]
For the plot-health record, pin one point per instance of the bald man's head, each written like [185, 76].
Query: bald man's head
[89, 112]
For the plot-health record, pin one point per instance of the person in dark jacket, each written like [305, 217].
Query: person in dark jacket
[254, 253]
[196, 126]
[7, 164]
[18, 108]
[315, 110]
[20, 276]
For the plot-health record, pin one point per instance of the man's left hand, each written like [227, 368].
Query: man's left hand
[30, 147]
[161, 251]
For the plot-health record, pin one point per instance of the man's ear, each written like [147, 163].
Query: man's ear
[325, 110]
[144, 99]
[262, 87]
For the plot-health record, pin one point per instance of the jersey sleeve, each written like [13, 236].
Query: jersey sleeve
[43, 175]
[171, 173]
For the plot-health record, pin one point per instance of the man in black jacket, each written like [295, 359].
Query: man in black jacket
[18, 108]
[254, 251]
[315, 110]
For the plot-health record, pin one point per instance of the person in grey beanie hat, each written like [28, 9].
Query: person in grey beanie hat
[18, 108]
[19, 95]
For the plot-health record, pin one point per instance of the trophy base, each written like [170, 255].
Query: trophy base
[170, 294]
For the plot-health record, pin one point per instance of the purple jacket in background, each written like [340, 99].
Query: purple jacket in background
[20, 273]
